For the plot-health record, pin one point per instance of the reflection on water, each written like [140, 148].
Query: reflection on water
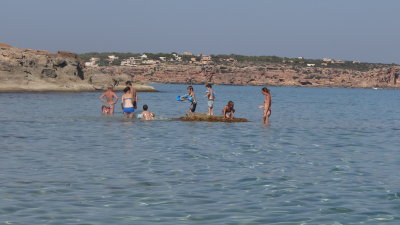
[329, 157]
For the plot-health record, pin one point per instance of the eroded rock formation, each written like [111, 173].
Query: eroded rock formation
[36, 70]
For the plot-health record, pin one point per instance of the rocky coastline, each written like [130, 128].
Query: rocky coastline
[385, 77]
[29, 70]
[37, 70]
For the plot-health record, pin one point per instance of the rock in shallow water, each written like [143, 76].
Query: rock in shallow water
[206, 118]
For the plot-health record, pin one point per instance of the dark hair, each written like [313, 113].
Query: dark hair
[230, 102]
[190, 88]
[127, 89]
[145, 107]
[128, 82]
[265, 89]
[208, 86]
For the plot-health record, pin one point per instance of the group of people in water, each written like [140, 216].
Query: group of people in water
[129, 102]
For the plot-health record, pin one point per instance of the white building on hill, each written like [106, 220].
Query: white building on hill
[92, 62]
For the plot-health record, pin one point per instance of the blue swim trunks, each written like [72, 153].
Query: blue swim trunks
[129, 110]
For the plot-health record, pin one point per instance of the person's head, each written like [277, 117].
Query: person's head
[105, 109]
[145, 107]
[110, 87]
[265, 90]
[208, 86]
[189, 88]
[126, 90]
[128, 83]
[231, 104]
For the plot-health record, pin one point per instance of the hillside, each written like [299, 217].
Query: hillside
[249, 70]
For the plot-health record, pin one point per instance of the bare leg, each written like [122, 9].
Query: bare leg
[112, 109]
[266, 117]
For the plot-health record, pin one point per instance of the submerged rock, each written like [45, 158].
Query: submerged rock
[206, 118]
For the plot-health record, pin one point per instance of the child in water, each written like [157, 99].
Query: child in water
[191, 97]
[146, 115]
[229, 109]
[105, 110]
[210, 95]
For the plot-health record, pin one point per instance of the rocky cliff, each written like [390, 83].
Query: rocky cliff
[36, 70]
[245, 74]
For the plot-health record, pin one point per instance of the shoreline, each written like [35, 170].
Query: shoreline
[149, 88]
[291, 86]
[73, 89]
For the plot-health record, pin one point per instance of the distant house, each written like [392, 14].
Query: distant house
[327, 60]
[111, 58]
[310, 64]
[300, 57]
[205, 59]
[356, 62]
[176, 57]
[324, 64]
[231, 60]
[131, 61]
[92, 62]
[187, 53]
[193, 59]
[143, 57]
[150, 62]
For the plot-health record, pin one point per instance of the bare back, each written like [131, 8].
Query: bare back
[109, 96]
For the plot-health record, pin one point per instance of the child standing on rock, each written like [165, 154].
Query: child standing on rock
[191, 97]
[210, 95]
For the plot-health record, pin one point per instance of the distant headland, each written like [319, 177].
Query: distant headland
[38, 70]
[29, 70]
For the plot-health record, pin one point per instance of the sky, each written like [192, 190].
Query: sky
[364, 30]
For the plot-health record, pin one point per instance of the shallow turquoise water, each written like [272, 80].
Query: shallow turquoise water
[330, 156]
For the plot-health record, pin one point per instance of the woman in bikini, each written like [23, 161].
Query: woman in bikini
[127, 103]
[108, 97]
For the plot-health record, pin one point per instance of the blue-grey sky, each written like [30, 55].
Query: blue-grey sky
[366, 30]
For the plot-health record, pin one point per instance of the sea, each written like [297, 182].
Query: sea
[328, 156]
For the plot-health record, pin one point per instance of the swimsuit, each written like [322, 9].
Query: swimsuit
[128, 110]
[193, 107]
[210, 103]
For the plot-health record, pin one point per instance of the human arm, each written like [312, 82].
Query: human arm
[116, 98]
[224, 112]
[102, 97]
[134, 95]
[194, 98]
